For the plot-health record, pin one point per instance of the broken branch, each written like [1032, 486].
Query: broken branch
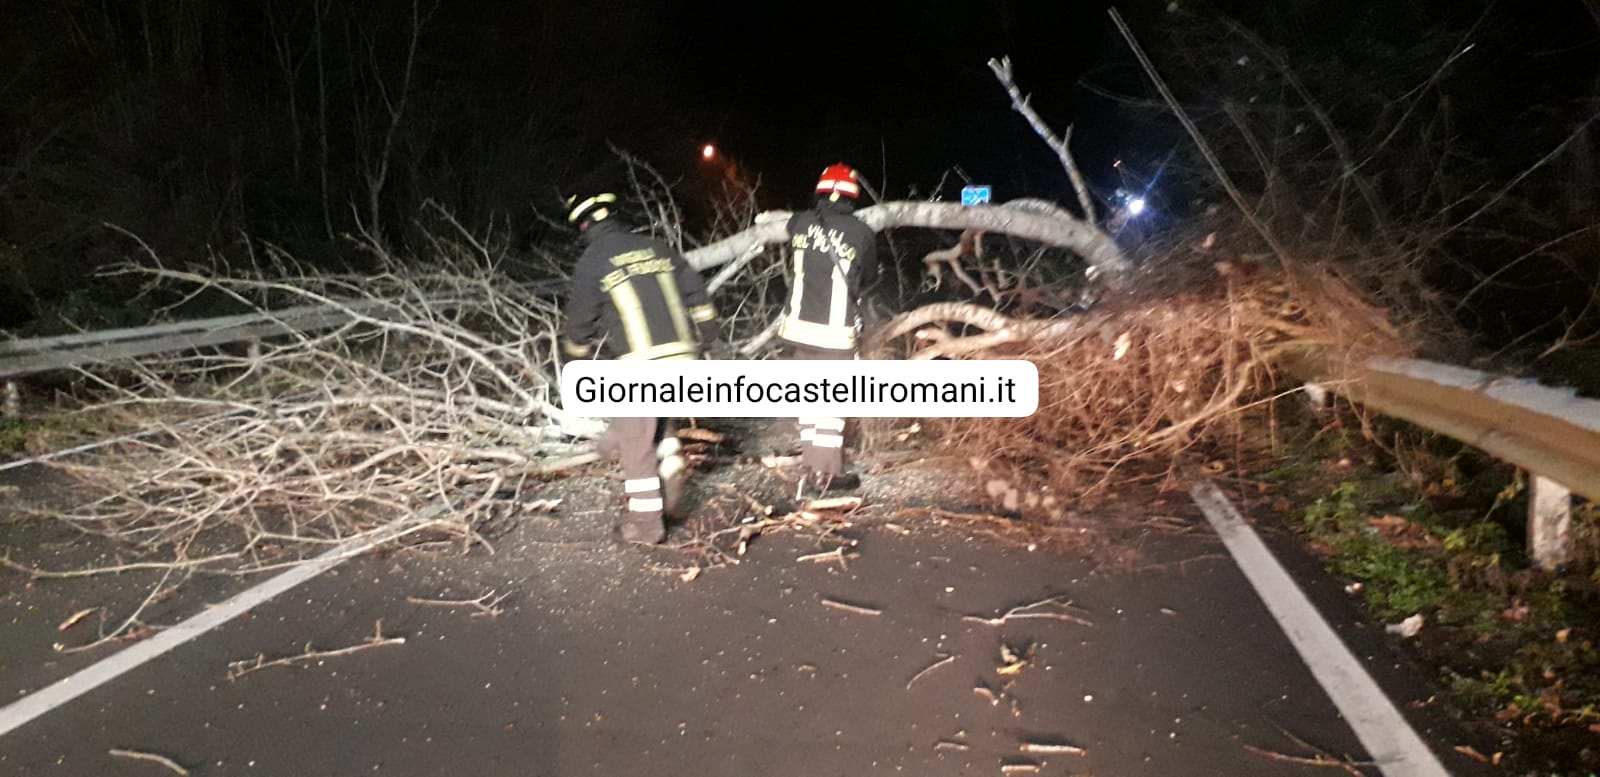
[927, 669]
[156, 758]
[483, 604]
[1019, 103]
[847, 607]
[1318, 760]
[1030, 611]
[837, 554]
[238, 669]
[1042, 748]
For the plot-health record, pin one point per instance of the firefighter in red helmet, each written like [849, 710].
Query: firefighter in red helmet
[634, 297]
[835, 258]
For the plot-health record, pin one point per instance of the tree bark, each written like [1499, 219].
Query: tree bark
[1019, 103]
[1103, 254]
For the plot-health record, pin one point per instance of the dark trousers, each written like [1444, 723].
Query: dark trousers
[821, 439]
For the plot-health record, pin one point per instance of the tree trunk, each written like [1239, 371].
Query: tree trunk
[1059, 229]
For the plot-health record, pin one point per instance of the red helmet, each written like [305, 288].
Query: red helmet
[839, 179]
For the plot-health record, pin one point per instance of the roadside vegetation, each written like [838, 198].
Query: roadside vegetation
[1420, 525]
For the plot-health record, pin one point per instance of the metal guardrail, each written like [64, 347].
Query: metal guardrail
[1552, 433]
[24, 357]
[40, 354]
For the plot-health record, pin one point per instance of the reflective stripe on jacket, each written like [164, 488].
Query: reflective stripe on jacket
[835, 257]
[635, 298]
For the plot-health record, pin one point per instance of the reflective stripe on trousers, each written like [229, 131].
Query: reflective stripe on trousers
[633, 442]
[821, 438]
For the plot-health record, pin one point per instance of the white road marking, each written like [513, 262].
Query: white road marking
[19, 713]
[1390, 740]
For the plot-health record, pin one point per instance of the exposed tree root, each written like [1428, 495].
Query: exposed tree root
[1137, 381]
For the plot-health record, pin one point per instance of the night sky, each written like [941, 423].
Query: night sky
[895, 87]
[902, 91]
[193, 124]
[899, 89]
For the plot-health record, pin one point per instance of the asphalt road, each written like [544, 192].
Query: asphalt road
[604, 660]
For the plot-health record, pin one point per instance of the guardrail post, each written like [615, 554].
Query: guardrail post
[1549, 522]
[12, 405]
[1317, 396]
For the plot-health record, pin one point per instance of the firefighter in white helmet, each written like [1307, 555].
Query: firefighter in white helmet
[634, 297]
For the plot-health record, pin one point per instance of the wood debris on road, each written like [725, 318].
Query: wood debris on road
[927, 669]
[72, 620]
[844, 503]
[486, 605]
[139, 755]
[1012, 662]
[837, 554]
[238, 669]
[847, 607]
[1035, 611]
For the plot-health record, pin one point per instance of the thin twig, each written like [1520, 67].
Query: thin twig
[238, 669]
[845, 503]
[1019, 103]
[131, 625]
[855, 608]
[1200, 140]
[1577, 134]
[1318, 760]
[1042, 748]
[1027, 612]
[927, 669]
[138, 755]
[837, 554]
[1326, 758]
[487, 604]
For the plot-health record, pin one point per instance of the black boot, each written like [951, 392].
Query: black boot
[838, 484]
[644, 530]
[815, 485]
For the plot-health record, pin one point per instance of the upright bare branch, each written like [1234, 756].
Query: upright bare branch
[1019, 103]
[378, 170]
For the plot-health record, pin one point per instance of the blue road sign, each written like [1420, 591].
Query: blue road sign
[976, 195]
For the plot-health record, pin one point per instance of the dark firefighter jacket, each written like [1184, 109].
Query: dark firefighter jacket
[634, 297]
[835, 259]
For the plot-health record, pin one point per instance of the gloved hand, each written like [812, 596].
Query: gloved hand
[570, 351]
[710, 333]
[712, 346]
[718, 350]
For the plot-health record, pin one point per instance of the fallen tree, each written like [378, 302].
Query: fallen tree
[1025, 219]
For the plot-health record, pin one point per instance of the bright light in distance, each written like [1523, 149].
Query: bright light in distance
[1136, 205]
[708, 151]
